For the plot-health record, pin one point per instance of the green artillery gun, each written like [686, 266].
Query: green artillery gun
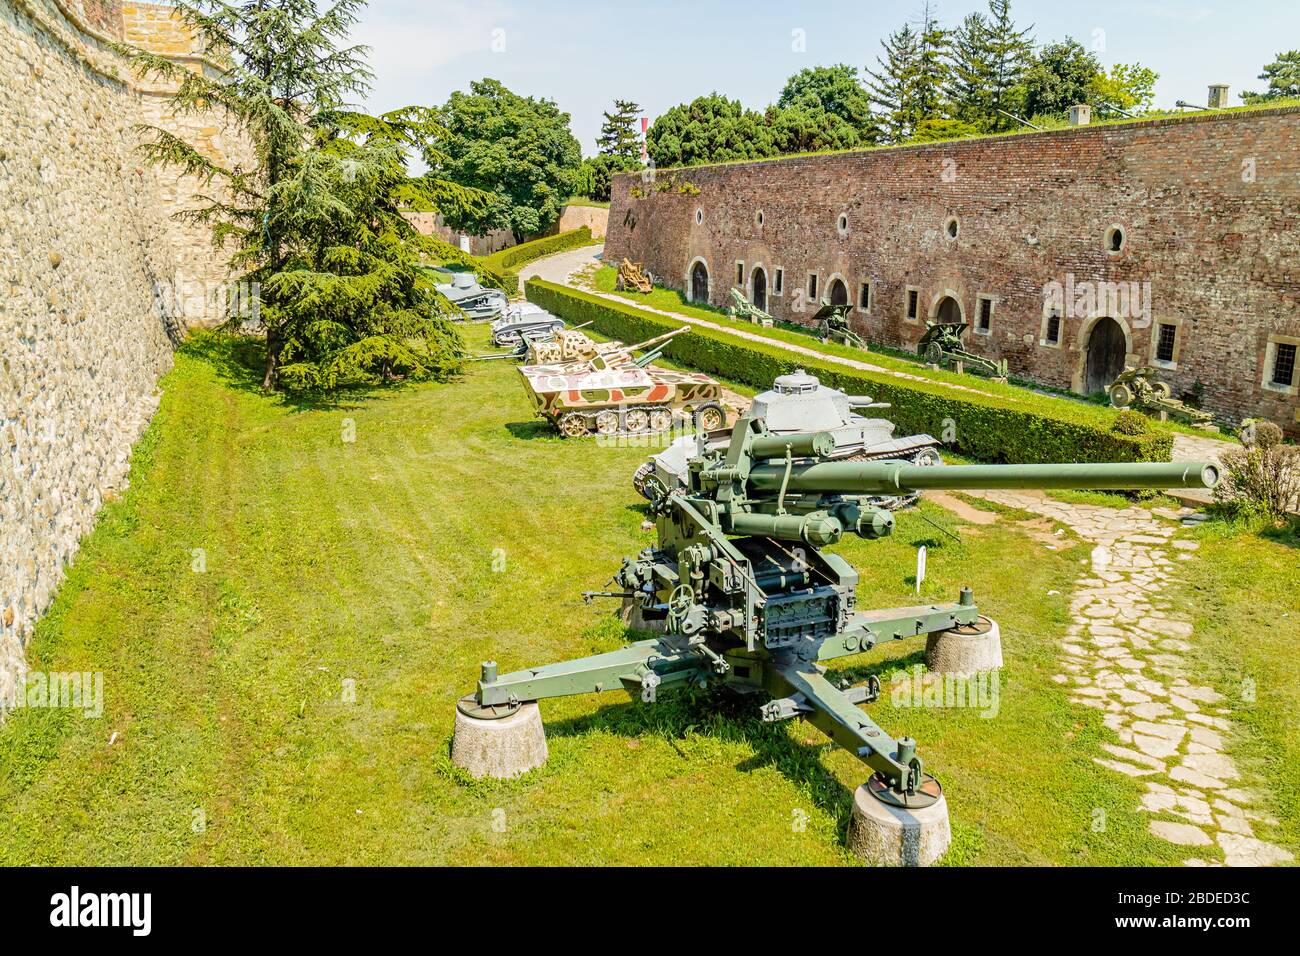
[749, 603]
[941, 345]
[743, 310]
[1143, 390]
[832, 325]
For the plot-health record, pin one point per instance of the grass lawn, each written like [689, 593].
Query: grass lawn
[1244, 595]
[369, 564]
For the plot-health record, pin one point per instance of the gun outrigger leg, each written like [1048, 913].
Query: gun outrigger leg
[899, 779]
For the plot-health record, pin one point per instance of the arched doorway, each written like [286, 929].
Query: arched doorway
[949, 310]
[760, 289]
[699, 282]
[837, 293]
[1107, 348]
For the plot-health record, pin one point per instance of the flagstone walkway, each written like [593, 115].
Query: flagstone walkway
[1123, 654]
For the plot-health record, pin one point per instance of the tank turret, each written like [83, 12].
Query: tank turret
[798, 402]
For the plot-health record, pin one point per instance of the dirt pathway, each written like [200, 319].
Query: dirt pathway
[1123, 654]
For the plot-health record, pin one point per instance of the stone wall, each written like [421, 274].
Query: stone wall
[85, 241]
[1204, 211]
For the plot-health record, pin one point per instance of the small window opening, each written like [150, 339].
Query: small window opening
[864, 297]
[913, 303]
[778, 283]
[1284, 364]
[1165, 343]
[1054, 328]
[986, 314]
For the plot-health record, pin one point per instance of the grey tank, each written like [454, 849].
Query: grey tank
[798, 402]
[476, 301]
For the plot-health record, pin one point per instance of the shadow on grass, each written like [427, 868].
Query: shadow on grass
[535, 429]
[239, 359]
[731, 717]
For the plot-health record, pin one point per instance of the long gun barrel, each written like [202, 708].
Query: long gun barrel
[892, 478]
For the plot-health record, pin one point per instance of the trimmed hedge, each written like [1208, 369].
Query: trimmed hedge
[1031, 429]
[505, 264]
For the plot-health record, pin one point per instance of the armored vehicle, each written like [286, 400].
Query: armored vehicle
[523, 322]
[800, 403]
[612, 393]
[754, 607]
[476, 301]
[1141, 389]
[941, 345]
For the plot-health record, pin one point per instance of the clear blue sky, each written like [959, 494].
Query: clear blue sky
[583, 53]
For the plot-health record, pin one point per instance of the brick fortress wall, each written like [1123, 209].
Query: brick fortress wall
[1209, 209]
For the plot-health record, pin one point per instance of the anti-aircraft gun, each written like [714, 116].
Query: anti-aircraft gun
[751, 604]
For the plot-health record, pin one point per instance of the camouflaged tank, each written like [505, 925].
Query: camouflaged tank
[614, 394]
[800, 403]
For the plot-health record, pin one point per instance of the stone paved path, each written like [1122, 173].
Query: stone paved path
[1123, 654]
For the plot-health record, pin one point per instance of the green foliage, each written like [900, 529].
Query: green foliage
[517, 148]
[989, 58]
[1130, 422]
[1127, 88]
[315, 225]
[619, 137]
[596, 174]
[821, 108]
[709, 129]
[1061, 75]
[989, 427]
[912, 76]
[1283, 76]
[891, 85]
[506, 263]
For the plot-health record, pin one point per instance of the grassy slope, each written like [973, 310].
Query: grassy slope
[372, 561]
[1243, 595]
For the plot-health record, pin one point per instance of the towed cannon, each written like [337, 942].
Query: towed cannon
[747, 602]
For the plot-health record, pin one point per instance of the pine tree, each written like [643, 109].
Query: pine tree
[1010, 51]
[891, 87]
[336, 286]
[932, 68]
[618, 134]
[989, 58]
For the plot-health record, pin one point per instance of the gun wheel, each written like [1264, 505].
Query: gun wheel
[572, 425]
[470, 707]
[1121, 396]
[926, 795]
